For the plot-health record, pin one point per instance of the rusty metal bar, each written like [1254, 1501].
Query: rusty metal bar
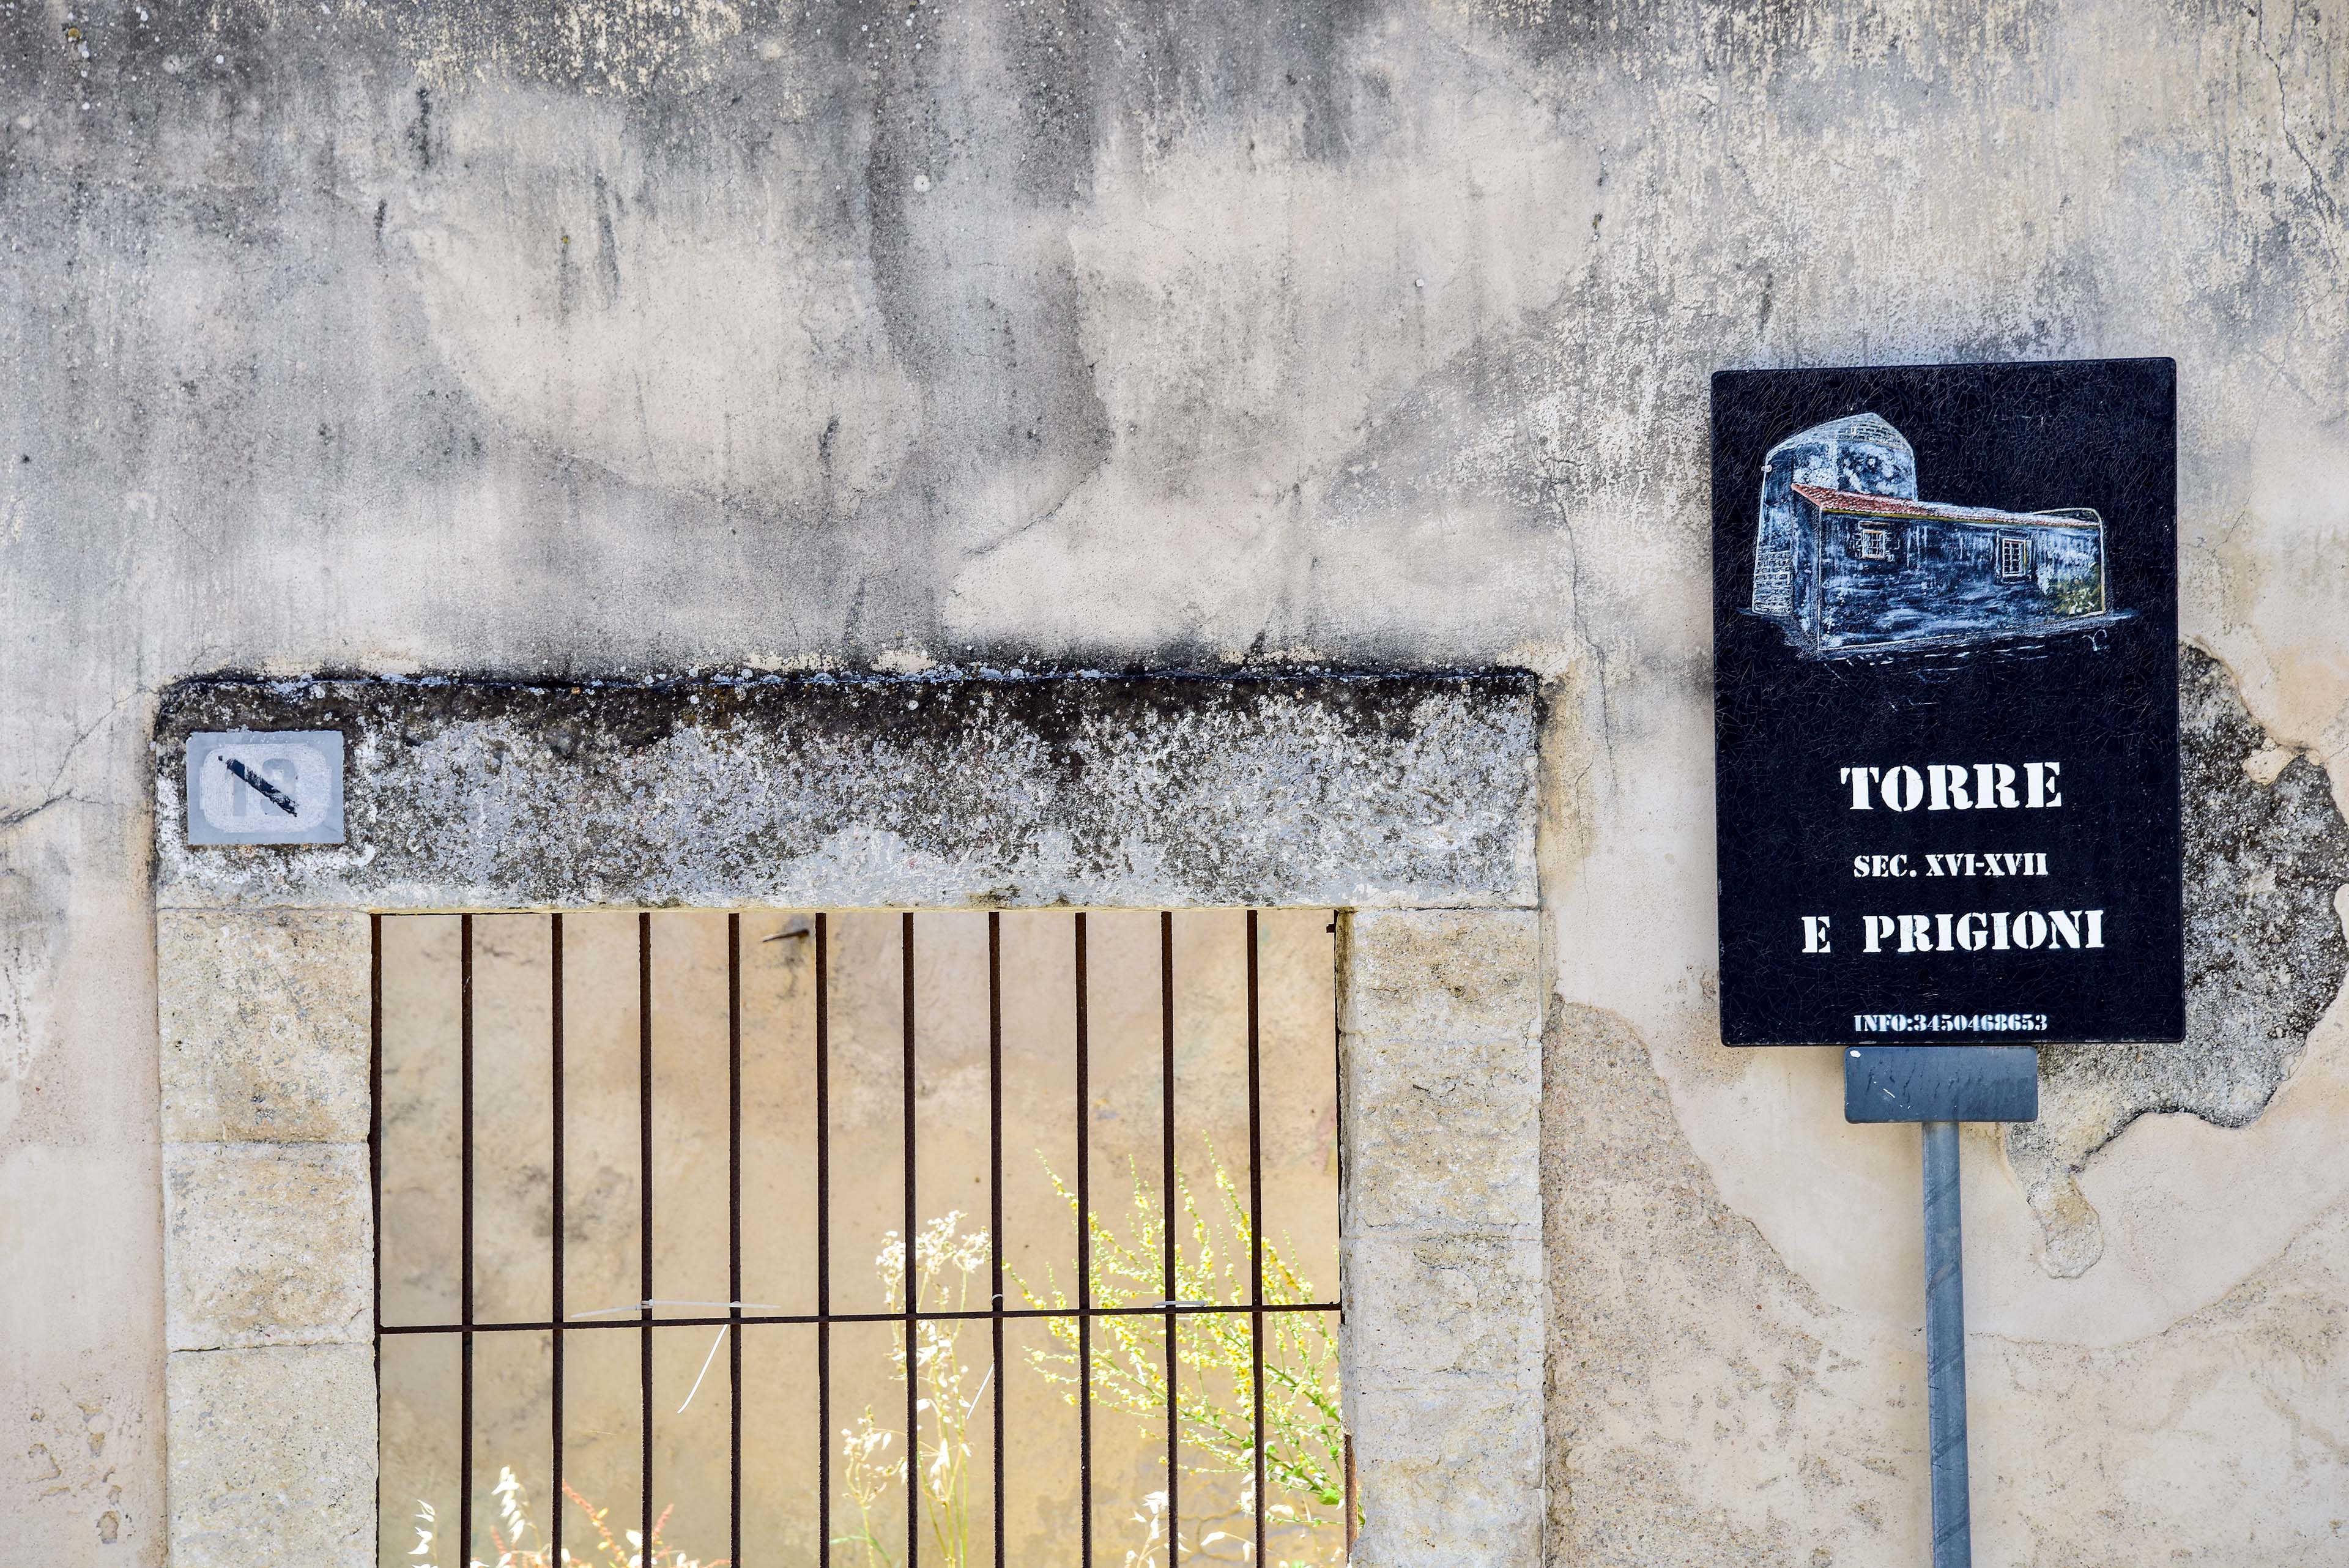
[913, 1280]
[644, 1207]
[823, 1318]
[995, 1201]
[554, 1303]
[1256, 1224]
[465, 1229]
[375, 1143]
[733, 1330]
[803, 1319]
[1166, 1221]
[1085, 1266]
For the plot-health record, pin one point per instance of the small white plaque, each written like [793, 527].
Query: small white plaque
[249, 787]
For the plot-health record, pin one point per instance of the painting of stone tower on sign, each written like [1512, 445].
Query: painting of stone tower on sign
[1848, 559]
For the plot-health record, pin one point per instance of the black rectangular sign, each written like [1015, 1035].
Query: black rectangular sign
[1945, 672]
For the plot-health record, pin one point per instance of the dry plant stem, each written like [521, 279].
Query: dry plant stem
[520, 1543]
[945, 1266]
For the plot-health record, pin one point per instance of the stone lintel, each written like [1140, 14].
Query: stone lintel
[1289, 790]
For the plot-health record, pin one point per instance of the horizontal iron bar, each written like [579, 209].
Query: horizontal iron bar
[1154, 1309]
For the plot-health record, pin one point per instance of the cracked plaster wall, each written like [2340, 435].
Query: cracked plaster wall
[592, 338]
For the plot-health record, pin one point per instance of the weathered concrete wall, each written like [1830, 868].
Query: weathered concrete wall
[592, 338]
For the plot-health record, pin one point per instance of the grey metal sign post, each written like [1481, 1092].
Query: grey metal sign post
[1939, 1087]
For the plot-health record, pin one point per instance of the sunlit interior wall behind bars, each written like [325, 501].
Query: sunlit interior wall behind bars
[783, 1435]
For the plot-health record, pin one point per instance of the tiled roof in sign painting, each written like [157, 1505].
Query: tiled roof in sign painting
[1852, 502]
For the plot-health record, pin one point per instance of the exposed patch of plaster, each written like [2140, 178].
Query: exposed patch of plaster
[1745, 1381]
[2266, 848]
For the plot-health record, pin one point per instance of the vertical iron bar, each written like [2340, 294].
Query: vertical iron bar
[1338, 1094]
[645, 1209]
[1166, 1221]
[556, 1502]
[823, 1247]
[995, 1197]
[1256, 1230]
[913, 1284]
[1338, 1073]
[734, 1236]
[1084, 1269]
[375, 1099]
[465, 1232]
[375, 1144]
[1945, 1348]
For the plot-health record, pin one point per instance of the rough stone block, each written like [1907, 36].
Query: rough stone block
[265, 1025]
[1442, 1064]
[1450, 1477]
[1442, 1136]
[1442, 976]
[1423, 1307]
[266, 1244]
[273, 1457]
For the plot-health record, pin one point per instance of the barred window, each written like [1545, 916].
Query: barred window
[1875, 544]
[2014, 556]
[664, 1197]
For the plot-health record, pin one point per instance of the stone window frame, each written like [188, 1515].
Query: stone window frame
[1407, 802]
